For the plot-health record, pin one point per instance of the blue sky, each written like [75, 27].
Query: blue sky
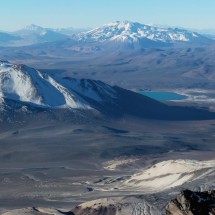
[14, 14]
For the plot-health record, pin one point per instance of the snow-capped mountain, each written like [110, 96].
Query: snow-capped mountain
[25, 84]
[122, 32]
[132, 32]
[22, 86]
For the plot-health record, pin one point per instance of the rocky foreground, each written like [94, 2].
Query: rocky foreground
[107, 206]
[186, 203]
[192, 203]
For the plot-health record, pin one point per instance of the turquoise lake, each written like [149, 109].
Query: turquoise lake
[163, 96]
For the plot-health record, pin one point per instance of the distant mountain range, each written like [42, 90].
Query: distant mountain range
[125, 32]
[35, 29]
[34, 34]
[23, 88]
[132, 32]
[128, 54]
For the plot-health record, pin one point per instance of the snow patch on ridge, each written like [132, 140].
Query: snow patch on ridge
[171, 173]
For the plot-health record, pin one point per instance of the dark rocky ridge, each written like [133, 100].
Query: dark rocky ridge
[192, 203]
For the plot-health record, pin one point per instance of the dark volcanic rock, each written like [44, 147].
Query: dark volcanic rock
[192, 203]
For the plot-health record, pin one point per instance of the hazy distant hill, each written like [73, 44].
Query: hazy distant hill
[126, 32]
[34, 34]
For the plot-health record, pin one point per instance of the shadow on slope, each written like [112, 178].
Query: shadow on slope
[129, 103]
